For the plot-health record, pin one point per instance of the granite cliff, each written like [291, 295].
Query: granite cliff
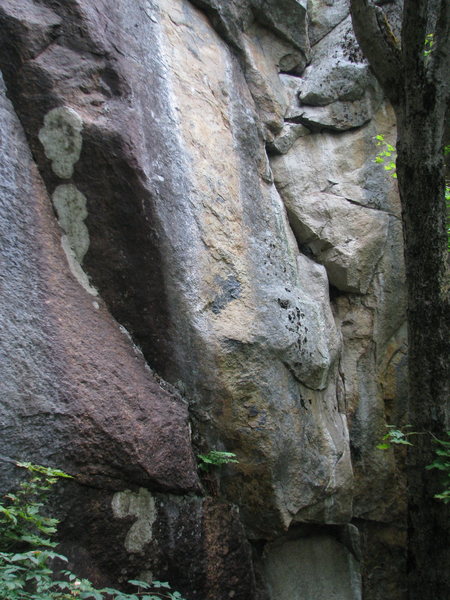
[198, 251]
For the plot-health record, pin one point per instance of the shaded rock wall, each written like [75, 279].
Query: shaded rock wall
[194, 224]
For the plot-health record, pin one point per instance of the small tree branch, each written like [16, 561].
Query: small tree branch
[379, 46]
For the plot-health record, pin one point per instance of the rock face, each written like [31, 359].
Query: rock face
[295, 566]
[194, 224]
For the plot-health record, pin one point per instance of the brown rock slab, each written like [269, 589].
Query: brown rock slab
[75, 392]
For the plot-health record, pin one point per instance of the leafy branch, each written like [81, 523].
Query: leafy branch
[442, 451]
[428, 44]
[386, 155]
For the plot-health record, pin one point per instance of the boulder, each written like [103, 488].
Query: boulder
[331, 195]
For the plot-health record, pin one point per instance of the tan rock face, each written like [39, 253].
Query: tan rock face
[259, 284]
[259, 329]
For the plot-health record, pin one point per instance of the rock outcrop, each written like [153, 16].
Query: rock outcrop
[194, 228]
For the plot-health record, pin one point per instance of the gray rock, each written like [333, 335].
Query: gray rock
[375, 497]
[287, 18]
[263, 54]
[184, 240]
[316, 566]
[284, 141]
[338, 116]
[343, 165]
[347, 239]
[325, 15]
[337, 91]
[326, 184]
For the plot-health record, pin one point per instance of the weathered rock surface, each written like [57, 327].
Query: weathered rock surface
[325, 15]
[337, 91]
[287, 18]
[266, 288]
[197, 544]
[314, 565]
[76, 393]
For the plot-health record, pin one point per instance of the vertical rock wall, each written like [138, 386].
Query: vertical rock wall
[193, 221]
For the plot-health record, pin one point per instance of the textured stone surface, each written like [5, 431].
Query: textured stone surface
[317, 566]
[288, 18]
[342, 165]
[76, 394]
[286, 138]
[325, 15]
[326, 193]
[264, 53]
[337, 91]
[196, 544]
[267, 288]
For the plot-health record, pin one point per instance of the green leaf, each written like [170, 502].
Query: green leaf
[383, 446]
[139, 583]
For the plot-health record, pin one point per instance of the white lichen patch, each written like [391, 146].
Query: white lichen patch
[75, 267]
[141, 505]
[62, 140]
[70, 206]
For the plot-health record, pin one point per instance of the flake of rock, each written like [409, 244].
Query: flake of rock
[289, 134]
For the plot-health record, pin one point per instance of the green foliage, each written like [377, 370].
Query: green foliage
[428, 44]
[386, 155]
[442, 452]
[26, 550]
[442, 463]
[215, 458]
[395, 436]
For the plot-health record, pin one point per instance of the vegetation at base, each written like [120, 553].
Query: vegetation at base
[215, 458]
[27, 550]
[442, 453]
